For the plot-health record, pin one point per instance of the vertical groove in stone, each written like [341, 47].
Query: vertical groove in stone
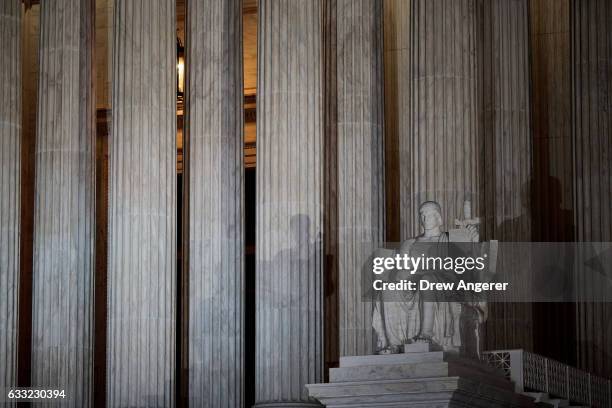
[64, 220]
[591, 28]
[10, 165]
[216, 215]
[142, 207]
[290, 155]
[360, 158]
[508, 156]
[439, 151]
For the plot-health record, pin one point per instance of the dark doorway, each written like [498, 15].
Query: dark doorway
[249, 275]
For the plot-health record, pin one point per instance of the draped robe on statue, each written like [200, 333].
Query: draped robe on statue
[398, 322]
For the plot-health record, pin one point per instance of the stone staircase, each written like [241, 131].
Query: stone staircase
[419, 378]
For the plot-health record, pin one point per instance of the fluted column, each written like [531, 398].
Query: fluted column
[10, 166]
[361, 203]
[592, 69]
[591, 28]
[508, 157]
[439, 149]
[289, 338]
[215, 176]
[62, 296]
[142, 207]
[507, 110]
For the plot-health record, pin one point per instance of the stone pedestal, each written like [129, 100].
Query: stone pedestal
[416, 379]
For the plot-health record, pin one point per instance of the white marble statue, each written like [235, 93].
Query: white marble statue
[415, 319]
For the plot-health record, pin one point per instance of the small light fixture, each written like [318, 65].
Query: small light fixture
[180, 69]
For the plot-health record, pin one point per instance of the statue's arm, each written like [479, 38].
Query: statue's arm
[406, 246]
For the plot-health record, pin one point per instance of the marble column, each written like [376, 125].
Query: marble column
[215, 178]
[360, 162]
[440, 146]
[508, 140]
[289, 290]
[591, 28]
[142, 207]
[10, 165]
[508, 158]
[592, 70]
[64, 223]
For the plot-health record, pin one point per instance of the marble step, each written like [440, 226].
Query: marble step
[392, 359]
[456, 368]
[418, 358]
[474, 364]
[418, 392]
[388, 371]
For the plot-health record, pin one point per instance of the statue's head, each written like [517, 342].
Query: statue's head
[430, 215]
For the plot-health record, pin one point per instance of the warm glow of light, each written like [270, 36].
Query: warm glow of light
[180, 68]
